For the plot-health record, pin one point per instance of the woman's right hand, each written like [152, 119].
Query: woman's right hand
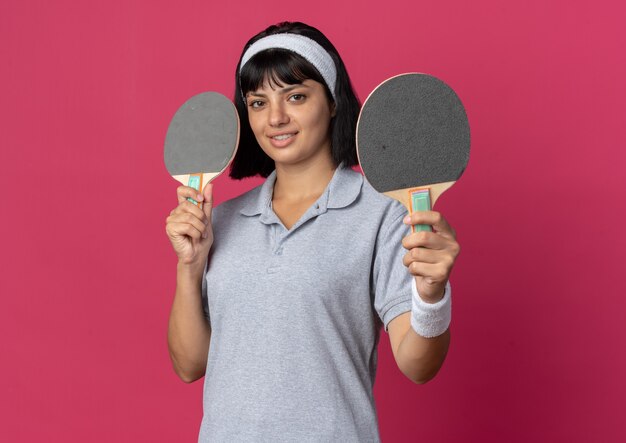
[189, 227]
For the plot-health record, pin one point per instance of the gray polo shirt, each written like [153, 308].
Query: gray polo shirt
[296, 314]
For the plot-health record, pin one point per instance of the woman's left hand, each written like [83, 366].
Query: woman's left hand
[431, 255]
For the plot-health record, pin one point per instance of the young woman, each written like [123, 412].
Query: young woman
[281, 292]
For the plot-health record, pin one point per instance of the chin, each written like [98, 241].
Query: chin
[286, 156]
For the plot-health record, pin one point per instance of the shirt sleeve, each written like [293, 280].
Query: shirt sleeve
[391, 280]
[215, 220]
[205, 298]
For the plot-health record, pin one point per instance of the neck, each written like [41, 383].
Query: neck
[303, 181]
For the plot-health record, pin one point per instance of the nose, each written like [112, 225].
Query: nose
[277, 115]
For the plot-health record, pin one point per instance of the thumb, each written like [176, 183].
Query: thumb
[207, 205]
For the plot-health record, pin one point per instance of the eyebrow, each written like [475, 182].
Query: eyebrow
[285, 90]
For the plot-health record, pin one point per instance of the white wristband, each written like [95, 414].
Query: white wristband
[431, 319]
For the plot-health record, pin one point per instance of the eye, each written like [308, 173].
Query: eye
[255, 104]
[297, 97]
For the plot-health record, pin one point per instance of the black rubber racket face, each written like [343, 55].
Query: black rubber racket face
[412, 132]
[202, 137]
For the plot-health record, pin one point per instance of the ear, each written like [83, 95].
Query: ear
[333, 110]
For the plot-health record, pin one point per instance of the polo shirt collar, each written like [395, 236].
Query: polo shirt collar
[343, 190]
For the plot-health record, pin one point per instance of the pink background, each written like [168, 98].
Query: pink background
[87, 91]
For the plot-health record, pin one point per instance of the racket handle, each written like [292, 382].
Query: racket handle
[195, 181]
[419, 199]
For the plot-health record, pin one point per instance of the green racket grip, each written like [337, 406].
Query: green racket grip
[420, 201]
[195, 181]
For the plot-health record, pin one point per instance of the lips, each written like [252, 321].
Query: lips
[282, 135]
[282, 139]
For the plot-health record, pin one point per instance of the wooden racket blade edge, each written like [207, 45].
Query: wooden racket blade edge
[402, 195]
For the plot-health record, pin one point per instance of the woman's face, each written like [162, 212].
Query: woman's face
[291, 122]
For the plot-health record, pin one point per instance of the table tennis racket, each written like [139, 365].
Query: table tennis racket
[413, 140]
[201, 140]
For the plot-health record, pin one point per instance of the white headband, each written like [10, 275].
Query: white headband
[307, 48]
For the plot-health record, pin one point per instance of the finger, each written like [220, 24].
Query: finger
[208, 201]
[183, 229]
[432, 218]
[187, 218]
[423, 255]
[425, 239]
[433, 273]
[185, 192]
[186, 207]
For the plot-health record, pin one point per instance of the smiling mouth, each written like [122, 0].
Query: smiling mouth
[283, 136]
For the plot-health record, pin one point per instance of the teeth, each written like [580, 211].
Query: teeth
[283, 137]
